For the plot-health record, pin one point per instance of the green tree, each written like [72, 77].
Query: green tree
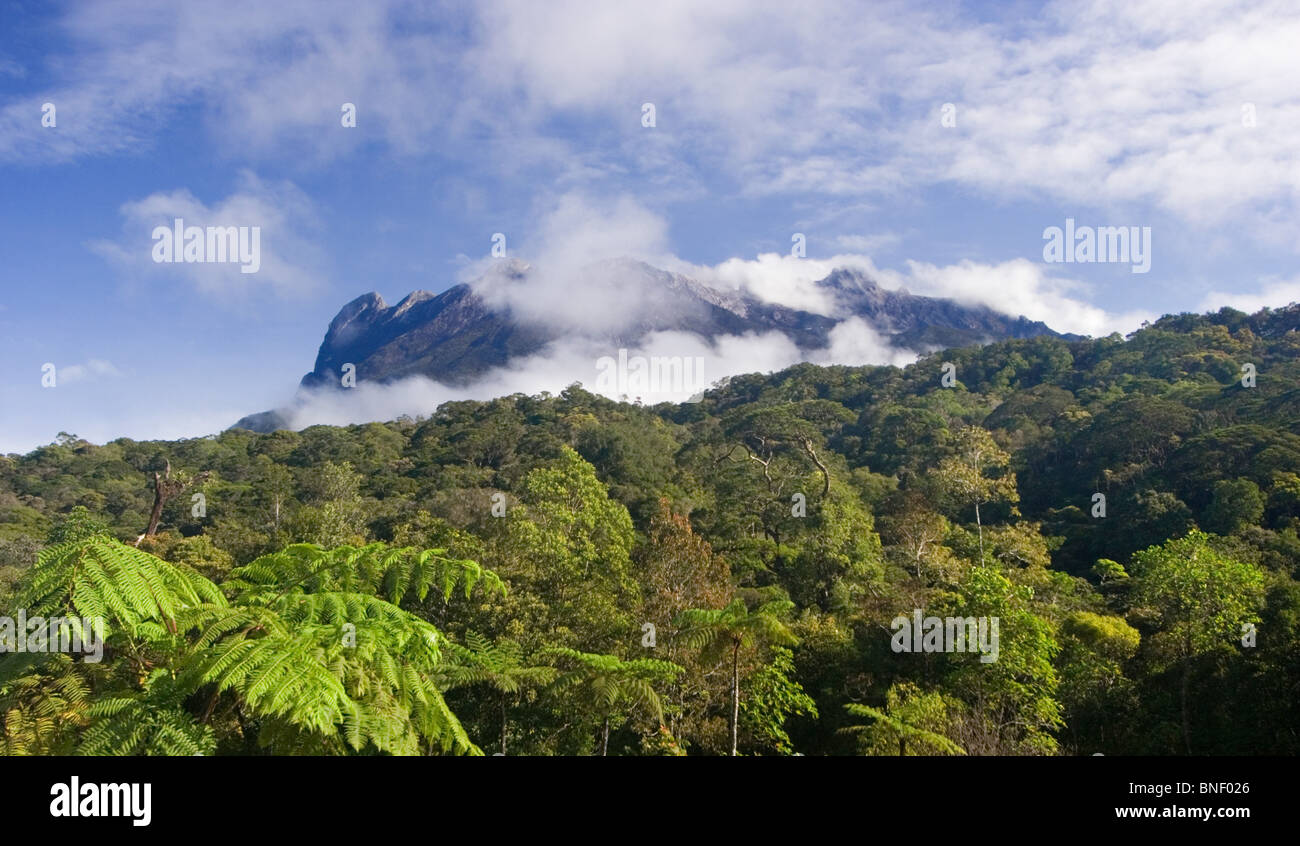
[78, 524]
[611, 686]
[1094, 650]
[717, 632]
[1013, 702]
[338, 516]
[566, 553]
[977, 472]
[772, 699]
[1201, 597]
[910, 717]
[1236, 504]
[500, 666]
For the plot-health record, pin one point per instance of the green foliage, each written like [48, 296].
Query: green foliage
[303, 645]
[78, 524]
[1237, 503]
[610, 688]
[347, 579]
[912, 723]
[1201, 597]
[772, 697]
[99, 577]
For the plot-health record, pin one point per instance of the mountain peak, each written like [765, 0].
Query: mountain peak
[458, 336]
[848, 279]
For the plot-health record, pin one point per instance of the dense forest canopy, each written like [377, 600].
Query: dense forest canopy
[572, 575]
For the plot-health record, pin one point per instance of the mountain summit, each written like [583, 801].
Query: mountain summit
[461, 334]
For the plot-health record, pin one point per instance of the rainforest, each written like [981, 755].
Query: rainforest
[570, 575]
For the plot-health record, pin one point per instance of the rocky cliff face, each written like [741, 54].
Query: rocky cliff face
[457, 336]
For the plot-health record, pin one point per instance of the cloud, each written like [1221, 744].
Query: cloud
[1016, 287]
[94, 370]
[262, 76]
[1274, 293]
[776, 278]
[287, 262]
[594, 364]
[1102, 103]
[574, 279]
[856, 342]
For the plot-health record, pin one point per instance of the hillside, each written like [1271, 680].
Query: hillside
[850, 492]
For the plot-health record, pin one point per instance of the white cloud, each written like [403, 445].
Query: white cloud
[289, 262]
[856, 342]
[554, 369]
[777, 278]
[1100, 103]
[571, 282]
[1103, 103]
[1016, 287]
[1273, 293]
[94, 370]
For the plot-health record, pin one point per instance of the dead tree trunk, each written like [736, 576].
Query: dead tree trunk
[165, 488]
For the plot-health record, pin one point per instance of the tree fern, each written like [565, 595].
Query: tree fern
[501, 666]
[611, 684]
[100, 577]
[393, 573]
[40, 712]
[890, 729]
[715, 631]
[303, 652]
[150, 723]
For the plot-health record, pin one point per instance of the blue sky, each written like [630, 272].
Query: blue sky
[526, 119]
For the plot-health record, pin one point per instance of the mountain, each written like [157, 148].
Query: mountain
[459, 335]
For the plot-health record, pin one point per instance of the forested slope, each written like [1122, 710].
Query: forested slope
[1127, 508]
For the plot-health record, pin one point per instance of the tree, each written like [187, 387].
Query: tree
[678, 569]
[566, 553]
[304, 655]
[978, 472]
[917, 533]
[165, 489]
[1012, 696]
[338, 517]
[835, 558]
[1237, 503]
[1094, 650]
[78, 524]
[773, 697]
[500, 666]
[609, 684]
[274, 485]
[1109, 571]
[1201, 597]
[911, 717]
[717, 631]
